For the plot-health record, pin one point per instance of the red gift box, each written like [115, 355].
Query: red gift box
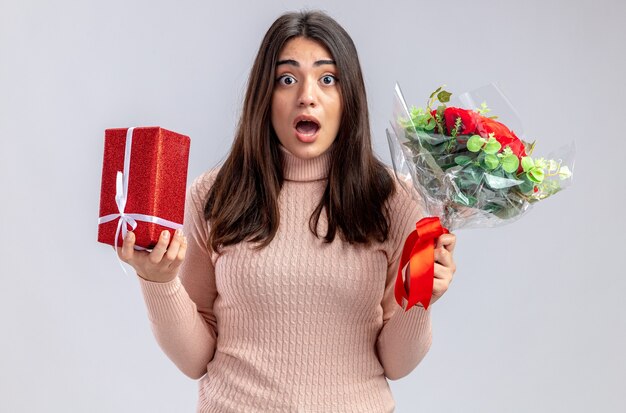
[144, 179]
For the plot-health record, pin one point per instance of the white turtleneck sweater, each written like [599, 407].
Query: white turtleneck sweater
[299, 326]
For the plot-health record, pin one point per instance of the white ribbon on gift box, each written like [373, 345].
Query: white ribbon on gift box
[121, 195]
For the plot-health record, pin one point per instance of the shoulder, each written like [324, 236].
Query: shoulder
[201, 185]
[198, 191]
[404, 197]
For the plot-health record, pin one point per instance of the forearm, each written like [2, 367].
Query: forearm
[181, 332]
[404, 341]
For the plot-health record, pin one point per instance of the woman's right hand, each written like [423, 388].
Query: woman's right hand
[162, 263]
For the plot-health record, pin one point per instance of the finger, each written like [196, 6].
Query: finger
[443, 257]
[445, 240]
[172, 250]
[160, 248]
[181, 253]
[448, 241]
[443, 273]
[126, 253]
[450, 269]
[440, 287]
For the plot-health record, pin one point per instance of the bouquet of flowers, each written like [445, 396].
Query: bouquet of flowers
[466, 164]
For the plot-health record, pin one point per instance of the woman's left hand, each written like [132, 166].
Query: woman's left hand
[444, 265]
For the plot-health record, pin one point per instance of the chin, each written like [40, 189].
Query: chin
[308, 152]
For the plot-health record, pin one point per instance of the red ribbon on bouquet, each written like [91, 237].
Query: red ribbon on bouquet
[419, 251]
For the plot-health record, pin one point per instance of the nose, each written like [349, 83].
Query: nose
[308, 96]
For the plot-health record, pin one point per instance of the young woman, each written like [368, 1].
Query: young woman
[280, 295]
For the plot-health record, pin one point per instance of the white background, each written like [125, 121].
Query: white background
[534, 320]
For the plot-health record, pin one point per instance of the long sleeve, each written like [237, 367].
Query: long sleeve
[304, 325]
[181, 311]
[406, 336]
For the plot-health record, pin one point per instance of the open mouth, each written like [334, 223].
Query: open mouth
[307, 127]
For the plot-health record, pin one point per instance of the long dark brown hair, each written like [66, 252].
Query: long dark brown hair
[242, 204]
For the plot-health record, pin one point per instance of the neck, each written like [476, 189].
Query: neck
[305, 170]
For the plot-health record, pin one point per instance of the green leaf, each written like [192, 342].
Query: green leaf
[462, 160]
[425, 137]
[465, 184]
[493, 146]
[491, 161]
[463, 199]
[498, 182]
[532, 178]
[457, 126]
[484, 109]
[444, 96]
[435, 92]
[564, 172]
[536, 175]
[527, 163]
[507, 150]
[475, 143]
[472, 174]
[553, 166]
[527, 186]
[498, 172]
[430, 125]
[439, 149]
[510, 163]
[541, 163]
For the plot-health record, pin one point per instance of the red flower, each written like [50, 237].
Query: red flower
[468, 120]
[504, 135]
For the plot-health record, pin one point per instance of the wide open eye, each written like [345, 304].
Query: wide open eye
[329, 80]
[286, 80]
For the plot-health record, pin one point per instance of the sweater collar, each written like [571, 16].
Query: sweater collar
[305, 170]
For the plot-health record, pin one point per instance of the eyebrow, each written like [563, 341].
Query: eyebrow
[296, 64]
